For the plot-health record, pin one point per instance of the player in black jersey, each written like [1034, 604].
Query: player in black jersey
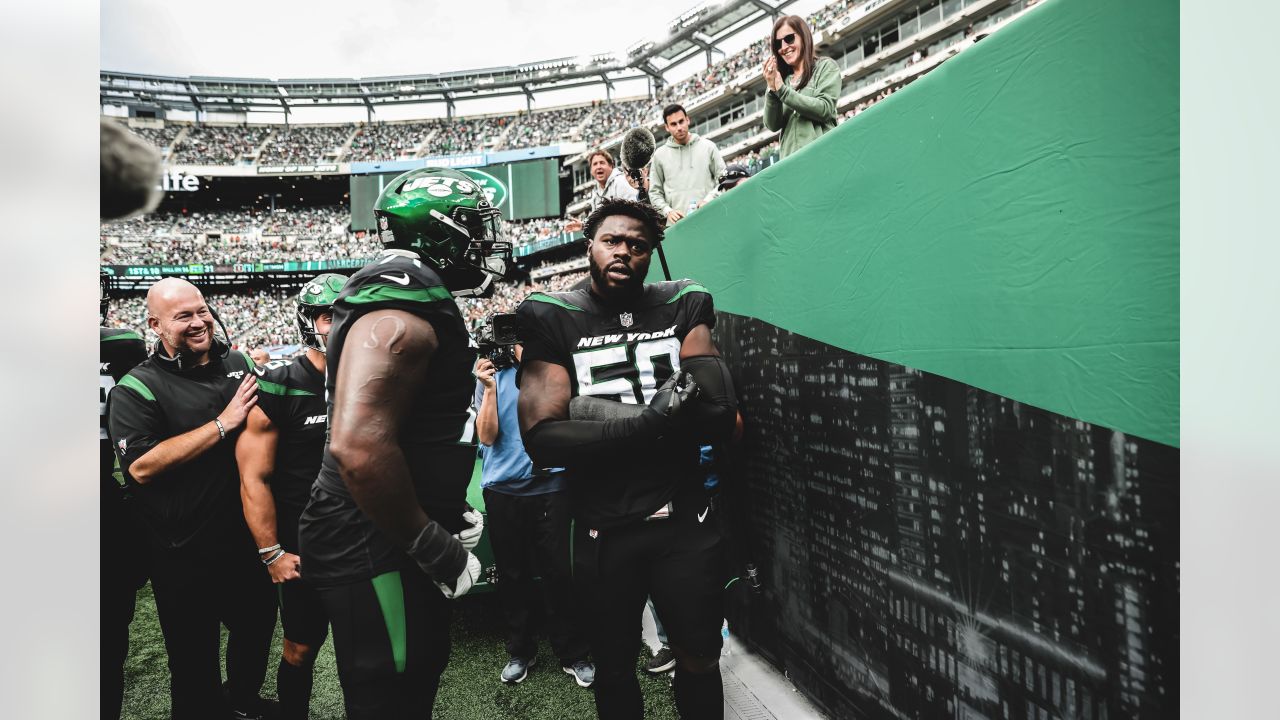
[387, 533]
[123, 570]
[279, 455]
[621, 384]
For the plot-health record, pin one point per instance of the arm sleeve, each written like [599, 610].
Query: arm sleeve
[656, 179]
[717, 163]
[714, 414]
[820, 107]
[559, 443]
[774, 118]
[134, 423]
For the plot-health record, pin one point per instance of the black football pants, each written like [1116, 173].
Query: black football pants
[123, 563]
[215, 579]
[675, 561]
[530, 539]
[391, 639]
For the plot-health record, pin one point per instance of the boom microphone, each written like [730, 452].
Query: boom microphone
[637, 150]
[130, 180]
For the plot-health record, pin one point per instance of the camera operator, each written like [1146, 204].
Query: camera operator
[529, 522]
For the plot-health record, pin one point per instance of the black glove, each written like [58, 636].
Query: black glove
[674, 396]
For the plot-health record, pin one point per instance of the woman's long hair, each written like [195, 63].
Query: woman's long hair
[808, 55]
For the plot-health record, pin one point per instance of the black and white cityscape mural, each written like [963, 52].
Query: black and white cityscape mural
[930, 550]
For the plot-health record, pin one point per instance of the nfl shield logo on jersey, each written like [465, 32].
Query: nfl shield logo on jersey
[123, 445]
[626, 319]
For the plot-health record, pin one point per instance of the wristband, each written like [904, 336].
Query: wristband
[438, 552]
[265, 550]
[222, 432]
[279, 554]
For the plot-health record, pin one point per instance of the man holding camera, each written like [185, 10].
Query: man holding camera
[622, 384]
[528, 526]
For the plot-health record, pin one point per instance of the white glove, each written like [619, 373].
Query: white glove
[467, 580]
[470, 537]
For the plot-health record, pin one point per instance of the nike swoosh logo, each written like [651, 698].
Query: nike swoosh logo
[703, 515]
[403, 279]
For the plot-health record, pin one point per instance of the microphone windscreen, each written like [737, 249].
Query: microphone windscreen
[130, 181]
[637, 148]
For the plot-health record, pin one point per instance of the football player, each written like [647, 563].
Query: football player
[279, 454]
[621, 384]
[387, 533]
[123, 571]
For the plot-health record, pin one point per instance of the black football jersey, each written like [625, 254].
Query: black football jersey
[339, 543]
[621, 352]
[291, 394]
[118, 352]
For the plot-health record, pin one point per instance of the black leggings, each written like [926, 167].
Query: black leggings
[391, 639]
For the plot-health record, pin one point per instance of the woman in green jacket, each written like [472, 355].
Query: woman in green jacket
[803, 88]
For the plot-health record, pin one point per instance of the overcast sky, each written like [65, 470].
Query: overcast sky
[345, 38]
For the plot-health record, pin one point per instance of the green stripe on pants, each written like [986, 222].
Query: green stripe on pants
[390, 591]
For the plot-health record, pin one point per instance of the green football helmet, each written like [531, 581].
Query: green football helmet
[443, 217]
[315, 299]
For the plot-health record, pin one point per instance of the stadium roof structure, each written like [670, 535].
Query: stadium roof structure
[697, 30]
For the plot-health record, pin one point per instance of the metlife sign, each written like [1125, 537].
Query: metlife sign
[178, 181]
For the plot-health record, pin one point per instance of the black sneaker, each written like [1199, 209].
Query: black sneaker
[517, 669]
[263, 710]
[661, 662]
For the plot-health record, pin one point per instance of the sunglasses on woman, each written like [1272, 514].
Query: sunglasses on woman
[789, 39]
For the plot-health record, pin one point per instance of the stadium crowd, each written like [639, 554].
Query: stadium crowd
[544, 128]
[306, 144]
[248, 235]
[264, 318]
[382, 141]
[219, 145]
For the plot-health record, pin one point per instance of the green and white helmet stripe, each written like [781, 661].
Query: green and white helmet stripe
[316, 298]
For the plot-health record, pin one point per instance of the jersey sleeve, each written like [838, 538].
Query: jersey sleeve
[538, 333]
[134, 420]
[696, 305]
[272, 391]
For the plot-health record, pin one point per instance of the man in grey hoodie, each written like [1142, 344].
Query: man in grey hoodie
[684, 168]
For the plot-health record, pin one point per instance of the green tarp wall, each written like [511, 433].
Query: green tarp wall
[1009, 221]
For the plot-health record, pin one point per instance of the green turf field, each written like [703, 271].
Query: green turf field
[469, 690]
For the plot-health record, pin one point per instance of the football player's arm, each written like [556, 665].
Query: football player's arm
[713, 416]
[255, 457]
[181, 449]
[553, 440]
[383, 365]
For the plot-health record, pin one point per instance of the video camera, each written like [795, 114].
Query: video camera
[497, 336]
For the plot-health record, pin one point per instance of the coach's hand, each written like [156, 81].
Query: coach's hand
[465, 581]
[288, 567]
[232, 417]
[470, 537]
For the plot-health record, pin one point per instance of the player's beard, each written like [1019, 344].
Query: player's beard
[612, 291]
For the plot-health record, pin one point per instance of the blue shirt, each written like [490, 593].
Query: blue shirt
[506, 466]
